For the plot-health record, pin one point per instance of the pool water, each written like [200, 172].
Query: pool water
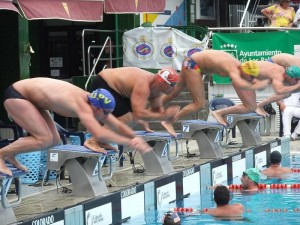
[259, 206]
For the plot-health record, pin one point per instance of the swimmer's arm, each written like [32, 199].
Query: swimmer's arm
[272, 98]
[101, 133]
[260, 84]
[280, 88]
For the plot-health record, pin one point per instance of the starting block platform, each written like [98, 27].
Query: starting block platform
[158, 161]
[248, 125]
[7, 215]
[84, 168]
[207, 135]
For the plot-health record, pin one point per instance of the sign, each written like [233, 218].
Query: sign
[255, 46]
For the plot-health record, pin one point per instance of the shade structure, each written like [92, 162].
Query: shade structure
[73, 10]
[134, 6]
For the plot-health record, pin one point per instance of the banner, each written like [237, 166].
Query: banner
[157, 47]
[255, 46]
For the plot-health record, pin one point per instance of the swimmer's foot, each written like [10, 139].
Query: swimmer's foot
[94, 146]
[169, 127]
[219, 118]
[4, 169]
[262, 112]
[107, 146]
[15, 162]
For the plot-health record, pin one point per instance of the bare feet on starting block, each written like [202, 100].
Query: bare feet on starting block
[15, 162]
[4, 169]
[220, 119]
[146, 126]
[98, 147]
[262, 112]
[169, 127]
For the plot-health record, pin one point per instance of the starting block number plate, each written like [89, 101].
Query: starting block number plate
[186, 128]
[53, 157]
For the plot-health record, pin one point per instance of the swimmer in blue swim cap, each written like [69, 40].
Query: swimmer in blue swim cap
[102, 99]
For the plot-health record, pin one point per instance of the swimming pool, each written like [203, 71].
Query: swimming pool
[268, 206]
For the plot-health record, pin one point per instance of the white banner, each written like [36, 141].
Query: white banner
[157, 47]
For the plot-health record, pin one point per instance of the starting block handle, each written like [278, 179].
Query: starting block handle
[176, 150]
[5, 203]
[111, 170]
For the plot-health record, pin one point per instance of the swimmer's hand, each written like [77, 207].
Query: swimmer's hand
[140, 145]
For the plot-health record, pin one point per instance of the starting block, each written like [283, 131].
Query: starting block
[158, 161]
[207, 134]
[84, 167]
[7, 215]
[248, 125]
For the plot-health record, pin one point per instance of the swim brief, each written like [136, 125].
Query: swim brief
[190, 64]
[11, 92]
[270, 60]
[123, 104]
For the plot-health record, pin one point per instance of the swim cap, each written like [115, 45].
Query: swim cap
[275, 157]
[102, 99]
[253, 174]
[250, 68]
[171, 218]
[192, 51]
[293, 71]
[168, 75]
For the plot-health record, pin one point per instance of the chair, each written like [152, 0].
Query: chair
[220, 103]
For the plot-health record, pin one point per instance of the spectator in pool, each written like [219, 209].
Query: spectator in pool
[250, 179]
[280, 15]
[224, 209]
[275, 169]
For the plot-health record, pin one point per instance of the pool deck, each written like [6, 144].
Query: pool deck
[38, 200]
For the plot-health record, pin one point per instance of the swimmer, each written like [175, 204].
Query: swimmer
[292, 65]
[224, 209]
[209, 62]
[27, 103]
[275, 170]
[138, 95]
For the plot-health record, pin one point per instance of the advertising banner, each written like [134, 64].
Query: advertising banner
[255, 46]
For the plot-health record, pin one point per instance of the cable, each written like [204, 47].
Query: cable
[136, 170]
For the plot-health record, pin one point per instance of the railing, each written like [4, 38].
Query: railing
[118, 47]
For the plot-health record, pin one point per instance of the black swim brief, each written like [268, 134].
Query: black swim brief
[11, 92]
[123, 104]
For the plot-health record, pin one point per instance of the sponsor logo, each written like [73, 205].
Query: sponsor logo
[143, 49]
[188, 172]
[128, 192]
[44, 221]
[93, 219]
[168, 51]
[161, 195]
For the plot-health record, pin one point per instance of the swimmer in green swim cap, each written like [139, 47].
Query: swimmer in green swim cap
[293, 71]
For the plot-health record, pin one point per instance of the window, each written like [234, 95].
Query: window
[205, 9]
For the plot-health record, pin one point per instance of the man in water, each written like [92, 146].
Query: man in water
[275, 169]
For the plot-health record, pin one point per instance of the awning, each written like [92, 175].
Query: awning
[8, 5]
[134, 6]
[73, 10]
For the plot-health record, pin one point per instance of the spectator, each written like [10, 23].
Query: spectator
[290, 107]
[280, 15]
[297, 18]
[275, 169]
